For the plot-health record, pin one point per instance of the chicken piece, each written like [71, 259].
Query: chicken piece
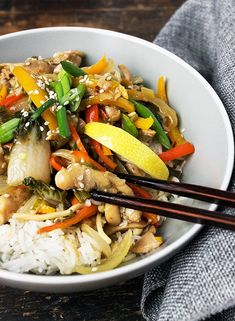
[145, 244]
[133, 169]
[3, 163]
[146, 136]
[38, 66]
[86, 178]
[74, 56]
[113, 113]
[9, 203]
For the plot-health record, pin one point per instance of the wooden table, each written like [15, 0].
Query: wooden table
[136, 17]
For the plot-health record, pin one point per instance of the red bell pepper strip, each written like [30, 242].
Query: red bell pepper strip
[92, 115]
[98, 149]
[177, 152]
[144, 194]
[80, 215]
[10, 100]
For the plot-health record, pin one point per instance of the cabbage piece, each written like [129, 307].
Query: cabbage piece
[29, 157]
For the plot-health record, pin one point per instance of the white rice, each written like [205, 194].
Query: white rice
[23, 250]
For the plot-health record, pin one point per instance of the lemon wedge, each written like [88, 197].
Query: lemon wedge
[128, 147]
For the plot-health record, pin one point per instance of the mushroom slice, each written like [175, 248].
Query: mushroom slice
[145, 244]
[109, 229]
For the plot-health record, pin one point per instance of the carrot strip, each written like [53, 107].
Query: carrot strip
[76, 138]
[80, 215]
[177, 152]
[74, 201]
[86, 158]
[54, 163]
[142, 193]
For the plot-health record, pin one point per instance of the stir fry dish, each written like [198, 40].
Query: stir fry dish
[66, 130]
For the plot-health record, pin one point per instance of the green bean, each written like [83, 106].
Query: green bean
[146, 112]
[71, 69]
[129, 126]
[8, 129]
[43, 108]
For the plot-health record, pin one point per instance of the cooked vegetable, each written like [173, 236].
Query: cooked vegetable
[176, 137]
[7, 130]
[161, 89]
[168, 114]
[3, 92]
[177, 152]
[29, 155]
[146, 112]
[37, 94]
[10, 100]
[129, 126]
[49, 193]
[62, 87]
[108, 99]
[71, 69]
[49, 216]
[144, 123]
[74, 97]
[114, 260]
[85, 212]
[92, 114]
[97, 68]
[43, 108]
[129, 147]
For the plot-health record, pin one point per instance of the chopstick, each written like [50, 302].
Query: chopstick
[198, 192]
[172, 210]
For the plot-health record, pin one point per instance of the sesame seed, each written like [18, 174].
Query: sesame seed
[66, 102]
[27, 124]
[52, 187]
[101, 91]
[6, 195]
[41, 128]
[46, 123]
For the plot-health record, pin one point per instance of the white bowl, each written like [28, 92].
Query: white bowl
[202, 115]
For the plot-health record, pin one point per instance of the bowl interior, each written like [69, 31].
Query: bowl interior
[202, 114]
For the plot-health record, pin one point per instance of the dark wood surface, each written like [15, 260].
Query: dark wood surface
[136, 17]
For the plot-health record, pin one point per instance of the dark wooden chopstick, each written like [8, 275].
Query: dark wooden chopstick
[172, 210]
[198, 192]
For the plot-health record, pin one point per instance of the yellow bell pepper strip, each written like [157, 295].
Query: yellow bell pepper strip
[176, 137]
[106, 151]
[113, 261]
[37, 94]
[177, 152]
[167, 113]
[106, 99]
[129, 147]
[3, 92]
[97, 68]
[144, 123]
[161, 89]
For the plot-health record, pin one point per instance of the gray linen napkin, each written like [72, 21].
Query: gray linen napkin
[199, 282]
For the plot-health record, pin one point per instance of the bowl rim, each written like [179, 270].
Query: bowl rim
[171, 249]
